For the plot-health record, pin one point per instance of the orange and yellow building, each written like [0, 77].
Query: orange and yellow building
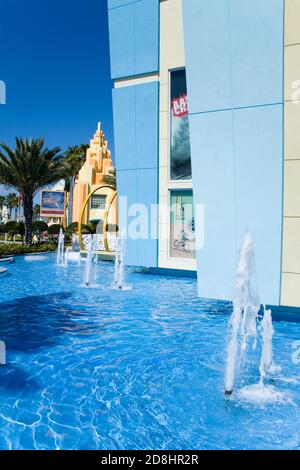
[95, 177]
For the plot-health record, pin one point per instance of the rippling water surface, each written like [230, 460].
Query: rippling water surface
[101, 369]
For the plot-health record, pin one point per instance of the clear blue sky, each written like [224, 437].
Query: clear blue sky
[54, 58]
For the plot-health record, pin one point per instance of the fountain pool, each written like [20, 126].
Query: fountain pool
[93, 369]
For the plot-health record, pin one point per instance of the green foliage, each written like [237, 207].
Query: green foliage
[85, 229]
[30, 166]
[16, 249]
[10, 227]
[111, 178]
[12, 201]
[27, 169]
[21, 228]
[14, 228]
[91, 228]
[37, 211]
[74, 158]
[54, 229]
[73, 228]
[38, 227]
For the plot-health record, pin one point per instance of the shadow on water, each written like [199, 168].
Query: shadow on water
[6, 274]
[13, 378]
[34, 322]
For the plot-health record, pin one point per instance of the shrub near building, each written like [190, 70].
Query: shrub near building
[17, 249]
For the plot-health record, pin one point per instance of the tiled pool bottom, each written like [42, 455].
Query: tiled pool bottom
[142, 369]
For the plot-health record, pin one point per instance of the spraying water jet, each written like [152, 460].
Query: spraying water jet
[60, 258]
[245, 311]
[89, 259]
[245, 320]
[2, 353]
[267, 365]
[119, 274]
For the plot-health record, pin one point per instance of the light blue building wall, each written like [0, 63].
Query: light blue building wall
[234, 65]
[136, 146]
[134, 37]
[134, 45]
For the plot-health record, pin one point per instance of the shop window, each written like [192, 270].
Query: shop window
[180, 151]
[182, 225]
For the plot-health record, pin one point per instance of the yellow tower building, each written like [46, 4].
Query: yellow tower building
[97, 170]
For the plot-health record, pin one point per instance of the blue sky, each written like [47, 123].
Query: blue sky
[54, 58]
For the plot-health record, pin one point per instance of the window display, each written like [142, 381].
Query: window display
[182, 225]
[180, 153]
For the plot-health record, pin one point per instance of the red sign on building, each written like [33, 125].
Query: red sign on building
[180, 106]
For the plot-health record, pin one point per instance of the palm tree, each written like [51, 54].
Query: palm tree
[36, 212]
[12, 202]
[2, 202]
[38, 227]
[74, 159]
[111, 178]
[29, 168]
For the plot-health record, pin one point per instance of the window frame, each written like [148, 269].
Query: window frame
[99, 197]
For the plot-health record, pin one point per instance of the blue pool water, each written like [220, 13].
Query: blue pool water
[101, 369]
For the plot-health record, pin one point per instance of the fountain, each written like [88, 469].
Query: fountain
[88, 273]
[60, 259]
[2, 353]
[245, 310]
[75, 243]
[95, 248]
[245, 320]
[267, 365]
[119, 274]
[4, 215]
[73, 254]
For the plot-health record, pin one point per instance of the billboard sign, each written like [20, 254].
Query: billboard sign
[53, 203]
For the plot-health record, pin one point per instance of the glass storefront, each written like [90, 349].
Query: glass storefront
[180, 152]
[182, 225]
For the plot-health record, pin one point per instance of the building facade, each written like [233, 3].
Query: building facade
[206, 102]
[96, 171]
